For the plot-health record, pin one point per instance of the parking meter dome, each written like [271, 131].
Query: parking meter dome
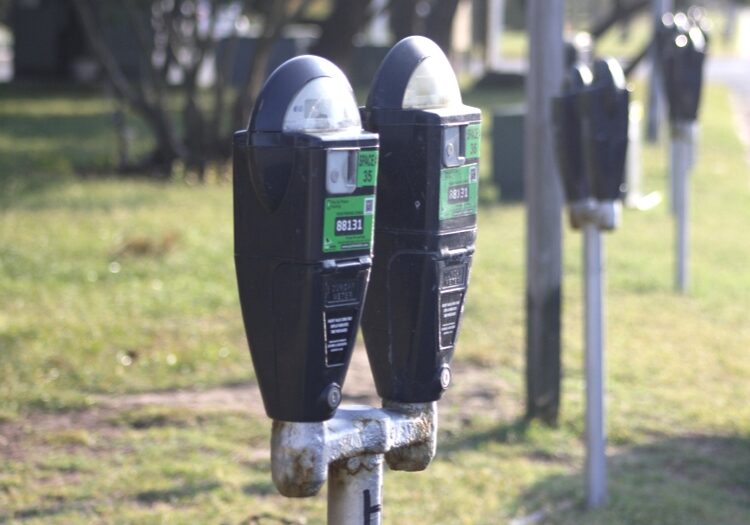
[415, 74]
[306, 94]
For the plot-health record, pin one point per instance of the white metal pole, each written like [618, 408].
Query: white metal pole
[681, 159]
[596, 463]
[355, 488]
[675, 168]
[633, 162]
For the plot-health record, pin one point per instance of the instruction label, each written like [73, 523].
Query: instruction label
[367, 168]
[450, 309]
[348, 223]
[459, 191]
[473, 140]
[338, 332]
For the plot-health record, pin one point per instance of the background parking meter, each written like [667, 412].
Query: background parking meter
[683, 51]
[426, 227]
[591, 129]
[568, 140]
[604, 110]
[304, 203]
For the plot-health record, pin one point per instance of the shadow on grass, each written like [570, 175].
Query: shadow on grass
[259, 488]
[39, 513]
[512, 432]
[696, 479]
[178, 492]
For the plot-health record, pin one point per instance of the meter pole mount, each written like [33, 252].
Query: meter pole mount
[348, 452]
[596, 464]
[681, 153]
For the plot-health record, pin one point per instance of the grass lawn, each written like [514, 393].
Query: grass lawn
[111, 289]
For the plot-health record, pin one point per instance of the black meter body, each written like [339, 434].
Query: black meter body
[305, 178]
[567, 131]
[591, 131]
[426, 220]
[682, 49]
[604, 127]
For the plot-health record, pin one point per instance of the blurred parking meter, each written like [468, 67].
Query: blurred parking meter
[426, 229]
[682, 46]
[591, 130]
[305, 176]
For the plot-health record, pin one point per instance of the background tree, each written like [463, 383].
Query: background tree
[174, 39]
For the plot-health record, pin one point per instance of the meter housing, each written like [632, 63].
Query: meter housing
[604, 132]
[568, 136]
[304, 201]
[682, 49]
[425, 231]
[591, 133]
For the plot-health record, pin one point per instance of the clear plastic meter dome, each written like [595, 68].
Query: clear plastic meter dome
[324, 104]
[433, 84]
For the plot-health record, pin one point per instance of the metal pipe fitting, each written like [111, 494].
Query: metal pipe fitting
[302, 452]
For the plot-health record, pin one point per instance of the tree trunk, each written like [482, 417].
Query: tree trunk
[346, 20]
[403, 18]
[439, 26]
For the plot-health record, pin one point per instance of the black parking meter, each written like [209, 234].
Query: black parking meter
[426, 221]
[682, 51]
[591, 134]
[567, 129]
[304, 202]
[604, 131]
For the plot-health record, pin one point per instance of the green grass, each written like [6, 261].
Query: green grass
[111, 287]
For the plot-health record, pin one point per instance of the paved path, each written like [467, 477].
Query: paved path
[734, 72]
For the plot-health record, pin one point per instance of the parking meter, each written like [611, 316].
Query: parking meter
[604, 133]
[304, 207]
[591, 131]
[426, 220]
[683, 51]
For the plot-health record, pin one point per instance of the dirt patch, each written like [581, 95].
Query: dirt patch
[476, 390]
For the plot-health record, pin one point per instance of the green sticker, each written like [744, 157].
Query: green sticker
[473, 140]
[348, 223]
[367, 168]
[458, 191]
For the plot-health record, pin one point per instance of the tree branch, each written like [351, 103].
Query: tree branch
[620, 11]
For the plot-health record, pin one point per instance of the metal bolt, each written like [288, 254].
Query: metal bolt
[445, 377]
[333, 396]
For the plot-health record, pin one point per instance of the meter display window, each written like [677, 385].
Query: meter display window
[341, 171]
